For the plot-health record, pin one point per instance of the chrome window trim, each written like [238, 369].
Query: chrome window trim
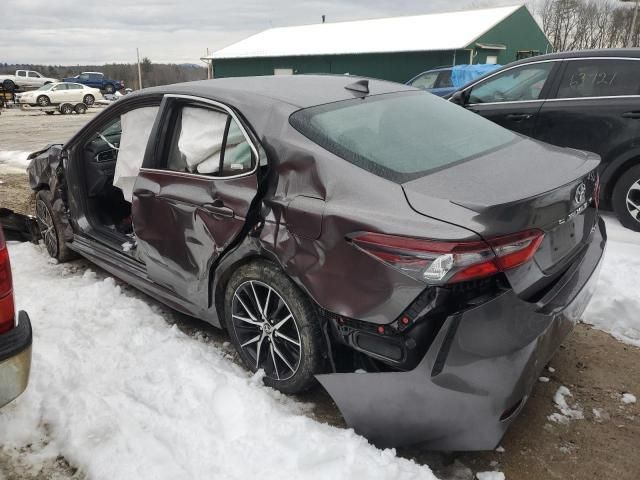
[508, 69]
[609, 97]
[511, 102]
[195, 175]
[242, 129]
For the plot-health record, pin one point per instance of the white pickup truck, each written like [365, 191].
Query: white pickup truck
[24, 80]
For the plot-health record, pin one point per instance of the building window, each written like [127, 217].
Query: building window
[283, 71]
[492, 59]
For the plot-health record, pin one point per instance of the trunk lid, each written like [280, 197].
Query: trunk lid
[525, 185]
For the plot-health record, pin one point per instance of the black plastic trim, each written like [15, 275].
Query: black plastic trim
[17, 339]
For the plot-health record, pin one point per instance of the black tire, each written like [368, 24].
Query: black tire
[51, 228]
[626, 195]
[295, 365]
[49, 113]
[43, 101]
[66, 109]
[80, 108]
[110, 88]
[88, 100]
[9, 85]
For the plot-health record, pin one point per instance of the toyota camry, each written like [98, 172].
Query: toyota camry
[420, 262]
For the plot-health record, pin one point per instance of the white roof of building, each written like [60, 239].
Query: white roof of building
[437, 31]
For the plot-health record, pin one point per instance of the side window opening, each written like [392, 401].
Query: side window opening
[514, 85]
[208, 142]
[112, 158]
[600, 78]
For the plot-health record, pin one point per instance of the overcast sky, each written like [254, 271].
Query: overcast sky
[71, 32]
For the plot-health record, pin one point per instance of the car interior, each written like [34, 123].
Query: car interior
[105, 200]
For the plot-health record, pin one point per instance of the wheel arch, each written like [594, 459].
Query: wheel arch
[220, 273]
[612, 173]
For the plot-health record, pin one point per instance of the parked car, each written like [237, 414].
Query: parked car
[446, 80]
[589, 100]
[15, 337]
[24, 80]
[97, 80]
[59, 93]
[330, 233]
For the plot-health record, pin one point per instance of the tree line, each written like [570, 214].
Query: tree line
[585, 24]
[153, 74]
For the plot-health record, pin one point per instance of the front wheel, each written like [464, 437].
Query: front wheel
[43, 101]
[80, 108]
[51, 228]
[88, 100]
[110, 88]
[274, 327]
[626, 198]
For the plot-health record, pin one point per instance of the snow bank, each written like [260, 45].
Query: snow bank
[14, 159]
[121, 394]
[614, 307]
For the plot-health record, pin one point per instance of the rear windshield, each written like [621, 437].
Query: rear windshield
[400, 136]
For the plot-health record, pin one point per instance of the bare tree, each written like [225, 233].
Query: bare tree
[583, 24]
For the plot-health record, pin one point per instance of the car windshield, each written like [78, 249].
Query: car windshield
[426, 80]
[400, 136]
[48, 86]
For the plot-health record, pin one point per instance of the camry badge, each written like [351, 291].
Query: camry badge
[581, 194]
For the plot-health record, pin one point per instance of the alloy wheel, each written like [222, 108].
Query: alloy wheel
[633, 200]
[47, 228]
[266, 330]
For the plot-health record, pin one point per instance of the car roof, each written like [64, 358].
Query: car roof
[298, 90]
[606, 52]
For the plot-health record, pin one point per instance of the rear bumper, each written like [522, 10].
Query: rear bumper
[15, 359]
[477, 375]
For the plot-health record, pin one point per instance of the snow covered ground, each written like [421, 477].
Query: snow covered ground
[615, 306]
[121, 394]
[13, 160]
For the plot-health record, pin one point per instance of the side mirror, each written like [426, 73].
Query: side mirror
[459, 98]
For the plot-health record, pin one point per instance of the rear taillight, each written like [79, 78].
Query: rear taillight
[7, 311]
[596, 192]
[437, 262]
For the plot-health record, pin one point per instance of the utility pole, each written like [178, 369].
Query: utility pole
[139, 70]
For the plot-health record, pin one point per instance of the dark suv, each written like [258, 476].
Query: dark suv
[589, 100]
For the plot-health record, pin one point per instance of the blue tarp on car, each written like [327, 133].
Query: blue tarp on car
[463, 74]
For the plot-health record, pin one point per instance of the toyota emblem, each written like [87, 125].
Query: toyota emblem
[581, 194]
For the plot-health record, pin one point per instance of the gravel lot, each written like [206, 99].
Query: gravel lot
[595, 367]
[25, 130]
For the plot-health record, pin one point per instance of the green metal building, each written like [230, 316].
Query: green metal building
[395, 48]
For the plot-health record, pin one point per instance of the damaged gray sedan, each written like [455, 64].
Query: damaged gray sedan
[422, 263]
